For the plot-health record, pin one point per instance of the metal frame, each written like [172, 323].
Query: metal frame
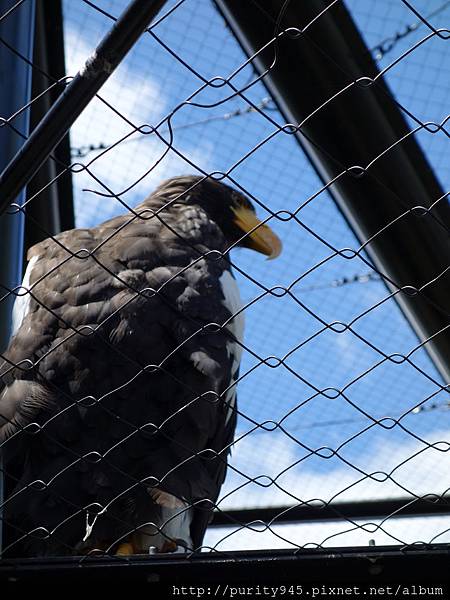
[216, 573]
[370, 197]
[52, 208]
[369, 509]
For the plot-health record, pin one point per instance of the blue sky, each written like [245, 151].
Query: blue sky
[149, 86]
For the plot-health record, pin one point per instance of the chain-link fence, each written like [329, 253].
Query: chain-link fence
[118, 402]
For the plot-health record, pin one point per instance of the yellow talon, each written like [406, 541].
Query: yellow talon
[125, 549]
[169, 546]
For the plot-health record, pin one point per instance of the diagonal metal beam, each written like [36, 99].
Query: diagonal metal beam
[392, 204]
[77, 95]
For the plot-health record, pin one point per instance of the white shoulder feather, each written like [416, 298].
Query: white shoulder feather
[22, 301]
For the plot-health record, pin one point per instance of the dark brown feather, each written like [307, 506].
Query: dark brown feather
[122, 366]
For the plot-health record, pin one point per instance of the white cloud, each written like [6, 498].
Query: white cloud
[137, 98]
[407, 530]
[142, 102]
[421, 469]
[423, 474]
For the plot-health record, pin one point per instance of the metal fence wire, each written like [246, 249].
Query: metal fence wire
[118, 416]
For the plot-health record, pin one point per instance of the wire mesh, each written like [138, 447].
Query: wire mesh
[324, 415]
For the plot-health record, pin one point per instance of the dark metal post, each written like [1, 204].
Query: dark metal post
[17, 30]
[51, 209]
[108, 54]
[354, 128]
[336, 511]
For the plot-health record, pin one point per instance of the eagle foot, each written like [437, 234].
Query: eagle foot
[128, 548]
[125, 549]
[169, 546]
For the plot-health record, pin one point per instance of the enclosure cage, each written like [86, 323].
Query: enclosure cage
[330, 116]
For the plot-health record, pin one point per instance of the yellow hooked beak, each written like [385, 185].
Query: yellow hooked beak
[260, 237]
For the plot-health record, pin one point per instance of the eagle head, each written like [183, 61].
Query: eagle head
[230, 209]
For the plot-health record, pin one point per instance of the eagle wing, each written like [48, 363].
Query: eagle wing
[118, 383]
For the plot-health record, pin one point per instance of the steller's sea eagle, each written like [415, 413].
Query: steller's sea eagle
[118, 388]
